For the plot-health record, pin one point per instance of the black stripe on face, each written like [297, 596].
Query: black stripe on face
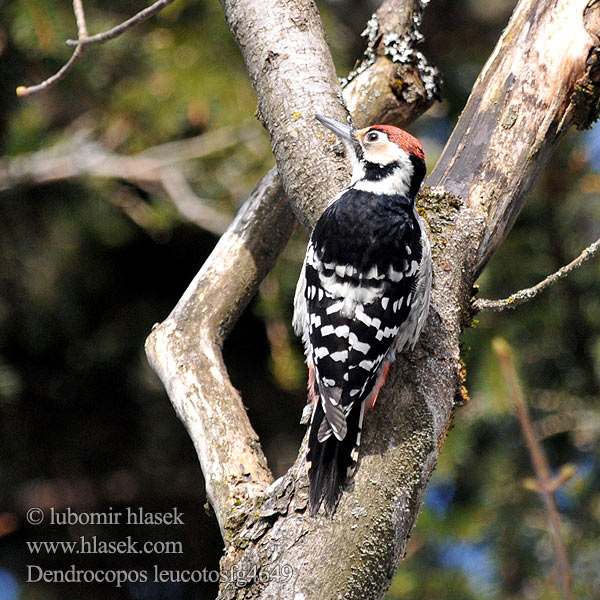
[376, 172]
[419, 172]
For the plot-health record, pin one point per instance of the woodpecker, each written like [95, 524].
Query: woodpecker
[363, 295]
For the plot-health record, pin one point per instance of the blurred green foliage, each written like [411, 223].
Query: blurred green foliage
[87, 265]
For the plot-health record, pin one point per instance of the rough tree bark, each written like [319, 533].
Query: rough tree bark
[540, 79]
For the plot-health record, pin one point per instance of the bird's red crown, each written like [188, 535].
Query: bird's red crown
[403, 139]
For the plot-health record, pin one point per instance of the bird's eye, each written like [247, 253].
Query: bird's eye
[372, 136]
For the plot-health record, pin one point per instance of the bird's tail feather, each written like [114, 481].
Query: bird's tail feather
[332, 461]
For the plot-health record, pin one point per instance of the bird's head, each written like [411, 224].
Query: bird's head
[385, 159]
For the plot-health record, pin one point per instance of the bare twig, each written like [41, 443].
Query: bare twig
[58, 76]
[82, 31]
[545, 484]
[138, 18]
[84, 41]
[527, 294]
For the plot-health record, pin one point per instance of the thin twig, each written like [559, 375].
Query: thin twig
[61, 74]
[527, 294]
[83, 42]
[105, 36]
[82, 31]
[545, 484]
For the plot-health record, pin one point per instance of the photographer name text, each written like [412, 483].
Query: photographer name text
[129, 516]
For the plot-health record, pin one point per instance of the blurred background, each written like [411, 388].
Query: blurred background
[95, 248]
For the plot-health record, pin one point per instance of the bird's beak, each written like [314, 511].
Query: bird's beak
[344, 131]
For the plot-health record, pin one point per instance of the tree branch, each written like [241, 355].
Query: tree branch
[393, 66]
[83, 42]
[283, 45]
[78, 155]
[190, 206]
[185, 349]
[528, 294]
[483, 172]
[545, 484]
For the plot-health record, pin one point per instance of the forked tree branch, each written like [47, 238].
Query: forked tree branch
[272, 53]
[111, 34]
[528, 294]
[84, 41]
[519, 108]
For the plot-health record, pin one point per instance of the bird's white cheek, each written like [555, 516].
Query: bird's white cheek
[384, 154]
